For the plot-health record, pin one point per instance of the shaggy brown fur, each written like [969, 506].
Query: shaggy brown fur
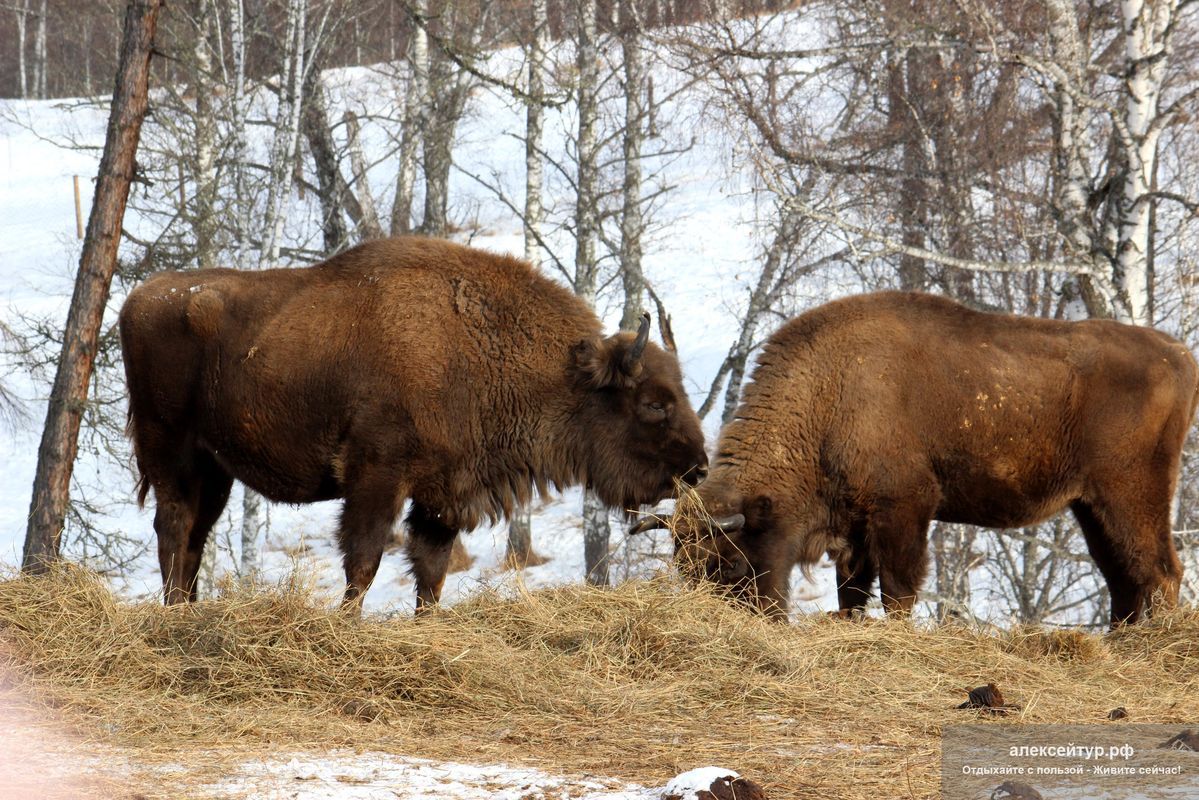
[871, 416]
[401, 369]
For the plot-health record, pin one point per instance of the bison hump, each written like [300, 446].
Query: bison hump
[204, 310]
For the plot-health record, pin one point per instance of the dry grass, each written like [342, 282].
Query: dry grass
[639, 682]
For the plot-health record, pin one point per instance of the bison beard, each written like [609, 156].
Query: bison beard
[868, 417]
[405, 369]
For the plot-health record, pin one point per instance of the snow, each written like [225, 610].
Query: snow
[688, 783]
[380, 776]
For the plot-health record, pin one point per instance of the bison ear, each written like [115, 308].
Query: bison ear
[605, 363]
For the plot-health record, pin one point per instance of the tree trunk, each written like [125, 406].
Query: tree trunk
[416, 101]
[204, 207]
[596, 531]
[368, 227]
[60, 437]
[315, 121]
[283, 159]
[287, 131]
[631, 224]
[22, 71]
[520, 528]
[41, 62]
[1147, 26]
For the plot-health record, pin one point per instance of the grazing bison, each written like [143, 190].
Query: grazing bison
[871, 416]
[401, 369]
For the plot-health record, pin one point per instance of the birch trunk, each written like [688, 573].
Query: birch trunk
[416, 103]
[287, 132]
[1082, 295]
[315, 122]
[1147, 27]
[368, 227]
[631, 223]
[520, 528]
[283, 153]
[40, 63]
[22, 21]
[60, 436]
[596, 531]
[204, 211]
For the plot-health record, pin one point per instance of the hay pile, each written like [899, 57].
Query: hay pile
[639, 682]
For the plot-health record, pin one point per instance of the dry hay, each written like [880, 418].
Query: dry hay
[640, 682]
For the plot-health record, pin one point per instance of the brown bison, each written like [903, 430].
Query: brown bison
[868, 417]
[404, 369]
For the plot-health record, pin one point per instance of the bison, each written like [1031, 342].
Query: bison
[870, 416]
[402, 369]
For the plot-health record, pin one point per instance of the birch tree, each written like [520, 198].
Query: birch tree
[415, 107]
[631, 223]
[520, 552]
[596, 530]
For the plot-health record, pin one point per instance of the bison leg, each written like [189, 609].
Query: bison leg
[187, 505]
[370, 510]
[215, 484]
[429, 544]
[1132, 545]
[856, 573]
[898, 532]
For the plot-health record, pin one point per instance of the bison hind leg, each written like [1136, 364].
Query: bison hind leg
[430, 543]
[187, 505]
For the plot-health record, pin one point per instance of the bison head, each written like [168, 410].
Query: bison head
[722, 537]
[641, 432]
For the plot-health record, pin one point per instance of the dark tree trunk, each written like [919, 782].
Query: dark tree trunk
[315, 124]
[60, 437]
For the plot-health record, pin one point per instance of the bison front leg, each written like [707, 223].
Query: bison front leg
[1132, 545]
[366, 519]
[856, 573]
[898, 532]
[430, 541]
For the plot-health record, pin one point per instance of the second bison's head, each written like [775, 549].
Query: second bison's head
[722, 537]
[640, 431]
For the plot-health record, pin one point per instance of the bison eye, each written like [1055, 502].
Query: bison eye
[653, 411]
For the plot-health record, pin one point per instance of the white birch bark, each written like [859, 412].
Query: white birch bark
[631, 223]
[283, 150]
[1146, 53]
[22, 70]
[596, 530]
[287, 132]
[40, 59]
[520, 527]
[416, 103]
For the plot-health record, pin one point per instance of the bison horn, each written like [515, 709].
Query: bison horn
[633, 355]
[729, 524]
[647, 523]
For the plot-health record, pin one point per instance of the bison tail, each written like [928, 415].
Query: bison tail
[143, 482]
